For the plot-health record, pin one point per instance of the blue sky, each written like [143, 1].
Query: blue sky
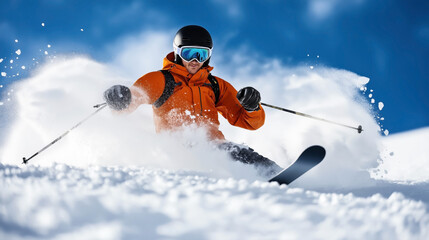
[387, 41]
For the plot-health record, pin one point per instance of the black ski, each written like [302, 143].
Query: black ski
[306, 161]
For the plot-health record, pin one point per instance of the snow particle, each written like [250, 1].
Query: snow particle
[370, 95]
[1, 60]
[81, 29]
[46, 52]
[23, 67]
[3, 74]
[380, 105]
[43, 24]
[11, 61]
[372, 101]
[16, 40]
[1, 103]
[386, 132]
[311, 67]
[18, 52]
[49, 45]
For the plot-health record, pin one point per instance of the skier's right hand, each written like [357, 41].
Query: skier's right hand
[118, 97]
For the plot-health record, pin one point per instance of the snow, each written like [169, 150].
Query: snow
[131, 202]
[380, 106]
[113, 177]
[3, 74]
[406, 164]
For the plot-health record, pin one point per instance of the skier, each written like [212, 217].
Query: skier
[184, 92]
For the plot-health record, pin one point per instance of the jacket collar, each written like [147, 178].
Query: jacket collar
[197, 78]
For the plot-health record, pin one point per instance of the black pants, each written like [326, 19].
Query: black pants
[264, 166]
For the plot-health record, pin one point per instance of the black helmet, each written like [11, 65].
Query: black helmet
[192, 35]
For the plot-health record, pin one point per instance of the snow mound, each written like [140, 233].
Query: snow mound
[404, 157]
[65, 202]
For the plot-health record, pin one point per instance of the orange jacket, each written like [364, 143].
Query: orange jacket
[193, 102]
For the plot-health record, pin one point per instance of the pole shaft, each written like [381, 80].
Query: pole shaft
[100, 107]
[359, 128]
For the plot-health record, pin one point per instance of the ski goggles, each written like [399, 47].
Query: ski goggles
[189, 53]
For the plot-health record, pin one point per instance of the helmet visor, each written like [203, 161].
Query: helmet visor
[189, 53]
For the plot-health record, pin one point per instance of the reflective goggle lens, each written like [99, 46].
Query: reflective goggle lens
[190, 53]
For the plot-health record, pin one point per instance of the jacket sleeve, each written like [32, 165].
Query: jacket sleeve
[147, 89]
[231, 109]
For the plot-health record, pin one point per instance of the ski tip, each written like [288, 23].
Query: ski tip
[308, 159]
[319, 150]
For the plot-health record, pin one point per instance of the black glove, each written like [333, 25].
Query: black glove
[118, 97]
[249, 98]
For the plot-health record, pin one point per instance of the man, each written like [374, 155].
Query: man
[185, 93]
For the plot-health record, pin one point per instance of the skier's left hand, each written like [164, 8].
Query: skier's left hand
[249, 98]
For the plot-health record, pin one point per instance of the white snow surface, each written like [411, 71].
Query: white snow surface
[405, 157]
[63, 202]
[113, 177]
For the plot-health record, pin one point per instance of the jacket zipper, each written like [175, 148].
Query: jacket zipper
[201, 101]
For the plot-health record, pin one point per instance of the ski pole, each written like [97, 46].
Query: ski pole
[359, 128]
[99, 106]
